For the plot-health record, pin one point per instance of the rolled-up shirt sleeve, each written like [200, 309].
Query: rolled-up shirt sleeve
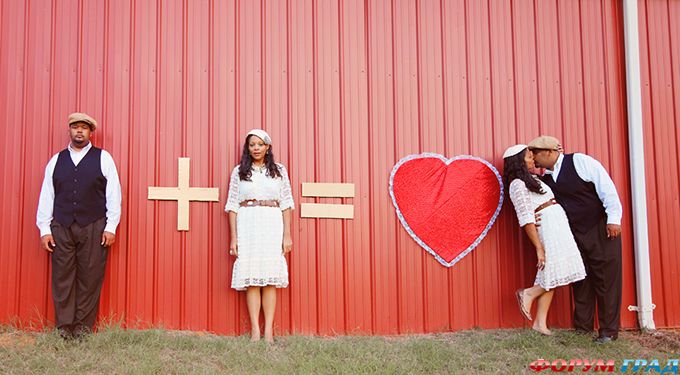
[591, 170]
[114, 195]
[521, 199]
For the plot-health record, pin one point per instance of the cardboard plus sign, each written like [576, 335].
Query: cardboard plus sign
[183, 194]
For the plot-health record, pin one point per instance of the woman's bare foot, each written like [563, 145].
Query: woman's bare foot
[268, 335]
[255, 335]
[542, 330]
[522, 302]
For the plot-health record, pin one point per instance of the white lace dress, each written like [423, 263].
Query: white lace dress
[259, 229]
[563, 263]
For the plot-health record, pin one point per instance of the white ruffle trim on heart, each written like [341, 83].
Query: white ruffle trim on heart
[447, 162]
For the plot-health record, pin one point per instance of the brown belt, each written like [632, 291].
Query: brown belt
[255, 202]
[546, 205]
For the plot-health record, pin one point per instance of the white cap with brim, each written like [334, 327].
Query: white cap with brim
[514, 150]
[261, 134]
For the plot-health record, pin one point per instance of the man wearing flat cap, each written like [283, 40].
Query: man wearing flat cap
[587, 193]
[78, 212]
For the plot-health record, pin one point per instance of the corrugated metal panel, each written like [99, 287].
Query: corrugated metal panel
[346, 88]
[660, 71]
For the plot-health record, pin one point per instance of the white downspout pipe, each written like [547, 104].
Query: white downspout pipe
[645, 306]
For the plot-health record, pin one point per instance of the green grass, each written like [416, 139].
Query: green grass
[114, 350]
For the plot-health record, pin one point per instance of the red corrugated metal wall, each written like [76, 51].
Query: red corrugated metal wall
[346, 88]
[660, 70]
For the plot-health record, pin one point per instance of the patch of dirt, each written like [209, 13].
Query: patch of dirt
[16, 340]
[662, 340]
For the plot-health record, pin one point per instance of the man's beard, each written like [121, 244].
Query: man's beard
[80, 143]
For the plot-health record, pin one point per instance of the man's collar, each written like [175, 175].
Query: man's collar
[85, 149]
[558, 163]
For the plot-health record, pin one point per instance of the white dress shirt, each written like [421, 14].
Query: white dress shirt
[113, 192]
[590, 170]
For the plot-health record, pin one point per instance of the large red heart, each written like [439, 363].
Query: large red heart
[446, 205]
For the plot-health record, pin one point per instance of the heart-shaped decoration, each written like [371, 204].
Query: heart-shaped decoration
[446, 205]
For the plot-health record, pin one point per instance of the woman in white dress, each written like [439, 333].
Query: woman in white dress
[559, 259]
[259, 206]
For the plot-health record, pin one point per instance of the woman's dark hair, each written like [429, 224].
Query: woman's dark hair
[515, 167]
[245, 167]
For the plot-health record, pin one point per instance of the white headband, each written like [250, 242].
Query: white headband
[261, 134]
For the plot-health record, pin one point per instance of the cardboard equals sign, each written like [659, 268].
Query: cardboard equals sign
[323, 210]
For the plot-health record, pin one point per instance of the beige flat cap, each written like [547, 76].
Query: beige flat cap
[82, 117]
[545, 142]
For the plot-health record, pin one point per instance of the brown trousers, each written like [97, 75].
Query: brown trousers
[78, 266]
[602, 259]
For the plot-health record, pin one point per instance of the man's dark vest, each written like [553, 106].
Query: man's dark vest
[578, 198]
[79, 191]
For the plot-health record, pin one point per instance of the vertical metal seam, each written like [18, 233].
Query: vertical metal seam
[673, 78]
[652, 127]
[289, 133]
[443, 73]
[1, 49]
[183, 135]
[449, 275]
[53, 26]
[2, 13]
[518, 241]
[394, 159]
[670, 43]
[157, 131]
[475, 294]
[237, 116]
[605, 64]
[560, 67]
[131, 140]
[237, 75]
[561, 88]
[371, 177]
[538, 71]
[50, 124]
[371, 167]
[104, 74]
[185, 77]
[467, 74]
[423, 255]
[514, 73]
[583, 77]
[493, 143]
[105, 85]
[211, 159]
[315, 132]
[79, 63]
[263, 65]
[418, 77]
[343, 154]
[24, 84]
